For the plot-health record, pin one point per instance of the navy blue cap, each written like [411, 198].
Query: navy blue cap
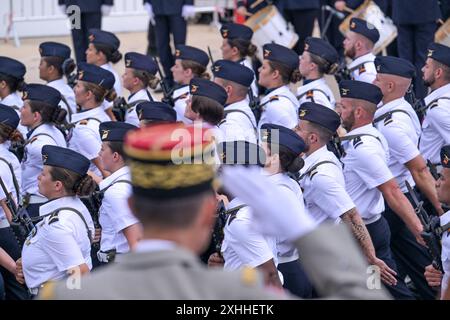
[65, 158]
[364, 28]
[445, 156]
[140, 62]
[439, 52]
[236, 31]
[54, 49]
[321, 115]
[233, 71]
[12, 67]
[104, 37]
[395, 66]
[322, 48]
[43, 93]
[274, 133]
[114, 130]
[9, 116]
[278, 53]
[95, 74]
[241, 152]
[209, 89]
[156, 111]
[191, 53]
[360, 90]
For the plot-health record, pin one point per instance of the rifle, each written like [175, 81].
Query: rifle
[433, 170]
[417, 104]
[432, 230]
[68, 67]
[21, 222]
[120, 108]
[166, 91]
[254, 105]
[335, 146]
[210, 56]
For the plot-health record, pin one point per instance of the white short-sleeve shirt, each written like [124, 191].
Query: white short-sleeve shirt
[243, 245]
[67, 92]
[239, 123]
[280, 107]
[115, 215]
[402, 131]
[363, 68]
[86, 136]
[436, 124]
[181, 96]
[6, 175]
[15, 101]
[32, 163]
[60, 242]
[316, 91]
[131, 115]
[365, 168]
[324, 188]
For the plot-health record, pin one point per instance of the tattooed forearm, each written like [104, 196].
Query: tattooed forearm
[360, 232]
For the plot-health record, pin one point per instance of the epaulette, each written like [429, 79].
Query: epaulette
[434, 104]
[249, 276]
[313, 173]
[32, 140]
[53, 218]
[274, 98]
[362, 69]
[388, 119]
[357, 142]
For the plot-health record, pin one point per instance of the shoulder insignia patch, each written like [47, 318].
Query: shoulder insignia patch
[274, 98]
[388, 119]
[313, 173]
[249, 276]
[357, 142]
[362, 69]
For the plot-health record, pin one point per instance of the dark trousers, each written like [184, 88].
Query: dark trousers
[410, 256]
[151, 37]
[412, 42]
[13, 289]
[80, 36]
[164, 26]
[295, 279]
[303, 22]
[380, 234]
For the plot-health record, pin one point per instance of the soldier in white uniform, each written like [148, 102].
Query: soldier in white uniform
[239, 122]
[368, 180]
[318, 58]
[103, 51]
[120, 228]
[283, 148]
[140, 71]
[53, 55]
[358, 46]
[12, 74]
[237, 47]
[436, 124]
[190, 63]
[93, 86]
[40, 114]
[154, 112]
[242, 246]
[279, 68]
[176, 205]
[11, 175]
[397, 121]
[60, 244]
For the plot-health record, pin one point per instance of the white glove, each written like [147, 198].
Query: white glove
[106, 9]
[150, 12]
[188, 11]
[276, 213]
[62, 8]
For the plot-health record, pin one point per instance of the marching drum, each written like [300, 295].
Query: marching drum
[442, 36]
[268, 25]
[370, 12]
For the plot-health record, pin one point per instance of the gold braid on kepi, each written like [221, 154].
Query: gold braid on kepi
[170, 160]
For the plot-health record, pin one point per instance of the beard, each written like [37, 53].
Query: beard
[348, 123]
[429, 82]
[350, 52]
